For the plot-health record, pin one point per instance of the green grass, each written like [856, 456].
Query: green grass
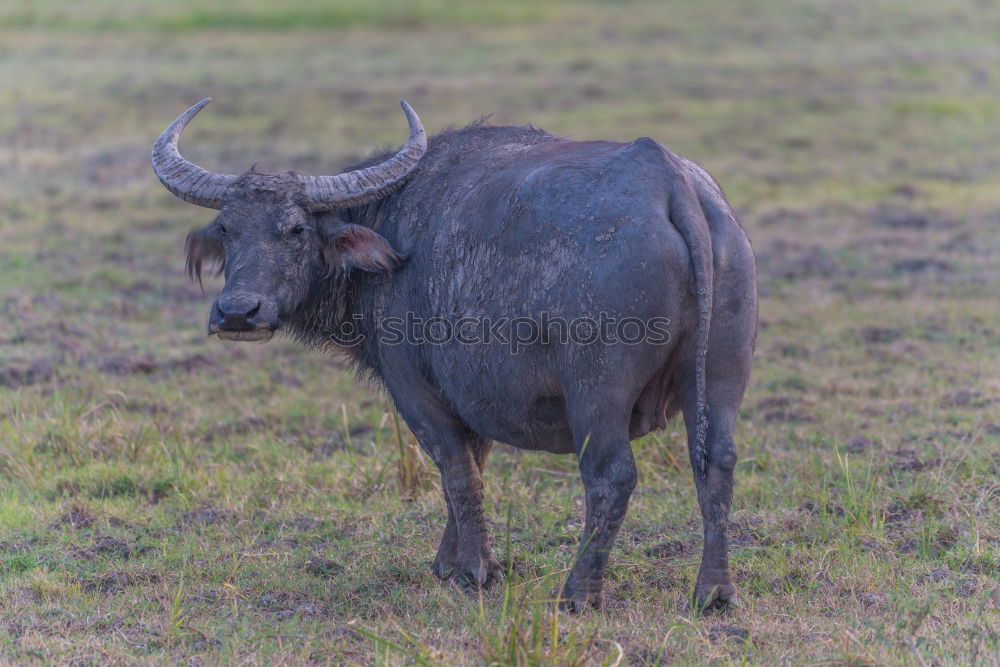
[165, 498]
[104, 15]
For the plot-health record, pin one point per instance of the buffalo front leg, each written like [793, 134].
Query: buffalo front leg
[469, 554]
[609, 476]
[447, 559]
[447, 554]
[459, 453]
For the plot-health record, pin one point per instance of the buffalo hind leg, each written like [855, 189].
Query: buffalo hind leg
[714, 588]
[609, 476]
[446, 563]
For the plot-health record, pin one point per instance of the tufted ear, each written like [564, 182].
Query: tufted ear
[357, 247]
[203, 245]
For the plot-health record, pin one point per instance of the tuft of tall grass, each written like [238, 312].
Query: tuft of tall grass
[859, 495]
[412, 469]
[528, 629]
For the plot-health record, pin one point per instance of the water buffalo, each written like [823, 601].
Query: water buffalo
[489, 236]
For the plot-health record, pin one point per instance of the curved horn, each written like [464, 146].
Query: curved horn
[185, 179]
[364, 185]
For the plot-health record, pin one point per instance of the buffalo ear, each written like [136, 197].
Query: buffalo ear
[203, 245]
[357, 247]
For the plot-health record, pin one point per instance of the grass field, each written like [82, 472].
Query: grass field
[167, 498]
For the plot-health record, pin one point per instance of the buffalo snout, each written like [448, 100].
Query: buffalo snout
[243, 316]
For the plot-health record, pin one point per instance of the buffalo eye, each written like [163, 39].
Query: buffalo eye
[297, 229]
[222, 230]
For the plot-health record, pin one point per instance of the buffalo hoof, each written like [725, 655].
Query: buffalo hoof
[713, 594]
[472, 574]
[444, 564]
[575, 599]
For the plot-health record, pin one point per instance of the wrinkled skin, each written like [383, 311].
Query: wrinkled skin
[515, 222]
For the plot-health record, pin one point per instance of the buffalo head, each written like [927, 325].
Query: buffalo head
[274, 236]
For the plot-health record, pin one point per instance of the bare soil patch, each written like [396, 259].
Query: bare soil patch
[76, 516]
[896, 216]
[148, 365]
[285, 604]
[37, 371]
[118, 581]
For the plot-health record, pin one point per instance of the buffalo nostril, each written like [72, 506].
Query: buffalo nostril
[236, 311]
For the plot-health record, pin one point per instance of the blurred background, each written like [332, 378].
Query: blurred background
[144, 469]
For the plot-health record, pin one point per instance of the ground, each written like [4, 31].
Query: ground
[168, 498]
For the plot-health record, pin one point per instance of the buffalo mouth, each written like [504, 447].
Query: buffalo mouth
[261, 335]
